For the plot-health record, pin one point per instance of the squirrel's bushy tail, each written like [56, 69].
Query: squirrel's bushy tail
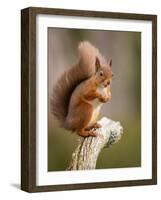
[71, 78]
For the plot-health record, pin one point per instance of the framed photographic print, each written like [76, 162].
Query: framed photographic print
[88, 99]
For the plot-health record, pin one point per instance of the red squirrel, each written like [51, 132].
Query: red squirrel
[80, 92]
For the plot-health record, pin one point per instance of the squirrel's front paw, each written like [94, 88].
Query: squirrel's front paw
[104, 99]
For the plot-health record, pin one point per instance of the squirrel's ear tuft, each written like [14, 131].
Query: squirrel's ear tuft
[110, 63]
[97, 64]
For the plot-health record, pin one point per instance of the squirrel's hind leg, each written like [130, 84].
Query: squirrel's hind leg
[80, 118]
[85, 118]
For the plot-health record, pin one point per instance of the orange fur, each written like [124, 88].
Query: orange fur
[74, 95]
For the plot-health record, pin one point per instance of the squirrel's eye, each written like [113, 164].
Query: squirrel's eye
[101, 73]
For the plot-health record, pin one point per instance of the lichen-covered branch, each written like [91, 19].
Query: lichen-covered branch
[88, 149]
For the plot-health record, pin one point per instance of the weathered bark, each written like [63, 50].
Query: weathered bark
[88, 149]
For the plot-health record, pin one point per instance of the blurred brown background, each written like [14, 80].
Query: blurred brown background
[125, 50]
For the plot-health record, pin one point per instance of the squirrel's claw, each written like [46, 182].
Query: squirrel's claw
[87, 133]
[92, 133]
[95, 126]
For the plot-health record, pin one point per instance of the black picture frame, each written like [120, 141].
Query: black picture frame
[28, 98]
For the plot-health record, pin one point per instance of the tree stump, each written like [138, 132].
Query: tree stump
[86, 154]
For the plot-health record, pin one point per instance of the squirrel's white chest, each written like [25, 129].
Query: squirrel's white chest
[97, 105]
[96, 110]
